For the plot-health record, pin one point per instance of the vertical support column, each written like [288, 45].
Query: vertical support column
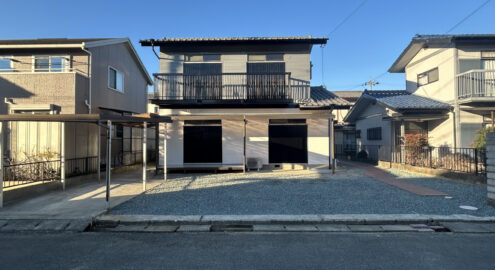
[99, 151]
[1, 164]
[144, 154]
[392, 142]
[62, 154]
[332, 145]
[244, 146]
[490, 167]
[402, 140]
[108, 162]
[163, 136]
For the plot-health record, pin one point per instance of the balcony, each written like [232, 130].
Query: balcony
[229, 88]
[476, 86]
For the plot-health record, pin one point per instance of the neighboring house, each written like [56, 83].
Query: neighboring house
[384, 117]
[233, 99]
[458, 70]
[70, 76]
[345, 133]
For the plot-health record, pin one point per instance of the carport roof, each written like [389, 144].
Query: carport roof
[88, 118]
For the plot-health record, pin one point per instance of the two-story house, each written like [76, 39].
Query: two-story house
[69, 76]
[454, 69]
[236, 100]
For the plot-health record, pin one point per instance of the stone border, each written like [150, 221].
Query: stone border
[450, 175]
[351, 219]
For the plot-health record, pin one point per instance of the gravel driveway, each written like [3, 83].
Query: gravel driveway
[349, 191]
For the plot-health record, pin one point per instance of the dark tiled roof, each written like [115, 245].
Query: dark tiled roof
[322, 98]
[348, 95]
[301, 39]
[403, 100]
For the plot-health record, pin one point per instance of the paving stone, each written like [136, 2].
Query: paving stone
[161, 228]
[365, 228]
[194, 228]
[52, 225]
[77, 225]
[332, 228]
[268, 228]
[397, 228]
[301, 228]
[465, 227]
[21, 225]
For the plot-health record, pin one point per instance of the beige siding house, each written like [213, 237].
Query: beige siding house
[242, 100]
[68, 76]
[455, 69]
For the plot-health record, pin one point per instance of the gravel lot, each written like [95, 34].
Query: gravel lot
[302, 192]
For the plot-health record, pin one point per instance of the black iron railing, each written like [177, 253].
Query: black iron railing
[81, 166]
[30, 172]
[230, 87]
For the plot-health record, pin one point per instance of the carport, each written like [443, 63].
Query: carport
[102, 121]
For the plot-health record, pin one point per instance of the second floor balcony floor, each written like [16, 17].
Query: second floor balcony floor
[224, 88]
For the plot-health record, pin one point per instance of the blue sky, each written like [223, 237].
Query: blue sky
[366, 45]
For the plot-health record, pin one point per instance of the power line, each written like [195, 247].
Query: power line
[468, 16]
[347, 18]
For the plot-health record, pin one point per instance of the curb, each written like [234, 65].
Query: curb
[369, 219]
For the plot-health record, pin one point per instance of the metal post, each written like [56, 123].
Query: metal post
[244, 147]
[144, 154]
[99, 150]
[108, 162]
[402, 141]
[163, 135]
[392, 142]
[332, 145]
[475, 161]
[1, 164]
[62, 154]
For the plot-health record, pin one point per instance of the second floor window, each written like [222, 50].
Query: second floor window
[428, 77]
[374, 134]
[5, 64]
[202, 58]
[50, 64]
[266, 57]
[115, 79]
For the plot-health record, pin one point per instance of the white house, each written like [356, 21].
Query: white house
[238, 99]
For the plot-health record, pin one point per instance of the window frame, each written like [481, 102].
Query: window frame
[11, 63]
[186, 56]
[116, 78]
[65, 63]
[358, 134]
[371, 132]
[266, 60]
[427, 74]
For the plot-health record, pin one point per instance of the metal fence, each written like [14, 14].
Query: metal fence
[467, 160]
[81, 166]
[30, 172]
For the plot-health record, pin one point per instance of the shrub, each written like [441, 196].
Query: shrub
[362, 155]
[480, 138]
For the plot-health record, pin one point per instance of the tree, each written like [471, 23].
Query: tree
[480, 138]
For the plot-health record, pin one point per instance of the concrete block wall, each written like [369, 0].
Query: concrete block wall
[490, 169]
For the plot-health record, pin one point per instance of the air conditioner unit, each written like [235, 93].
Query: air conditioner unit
[254, 163]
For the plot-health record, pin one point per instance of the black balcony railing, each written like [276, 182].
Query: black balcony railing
[230, 87]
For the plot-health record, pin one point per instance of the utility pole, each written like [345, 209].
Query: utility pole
[371, 82]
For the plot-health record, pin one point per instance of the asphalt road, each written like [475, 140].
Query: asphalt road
[247, 251]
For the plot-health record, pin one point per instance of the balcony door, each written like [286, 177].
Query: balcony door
[202, 81]
[266, 81]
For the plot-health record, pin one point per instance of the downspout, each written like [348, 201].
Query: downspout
[90, 74]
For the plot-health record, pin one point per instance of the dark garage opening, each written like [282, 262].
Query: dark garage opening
[203, 144]
[288, 143]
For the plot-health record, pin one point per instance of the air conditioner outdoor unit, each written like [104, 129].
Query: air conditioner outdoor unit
[254, 163]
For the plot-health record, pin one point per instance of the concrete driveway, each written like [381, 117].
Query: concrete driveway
[350, 191]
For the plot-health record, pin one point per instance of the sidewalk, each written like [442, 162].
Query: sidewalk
[75, 207]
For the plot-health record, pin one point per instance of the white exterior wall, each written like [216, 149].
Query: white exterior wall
[256, 134]
[372, 118]
[318, 141]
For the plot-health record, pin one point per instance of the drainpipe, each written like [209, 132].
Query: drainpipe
[90, 73]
